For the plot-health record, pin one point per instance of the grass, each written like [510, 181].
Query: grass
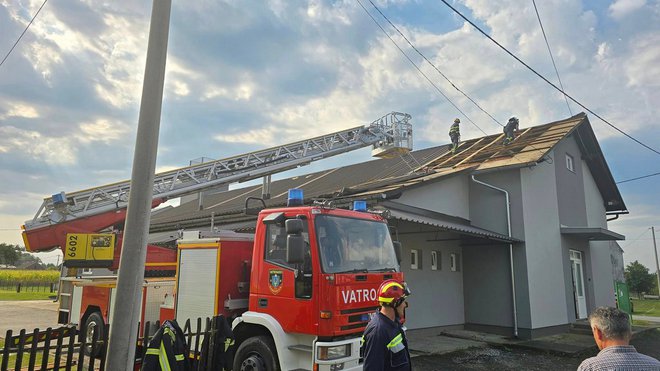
[646, 307]
[15, 296]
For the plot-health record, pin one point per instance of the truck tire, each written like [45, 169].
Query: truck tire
[93, 330]
[256, 354]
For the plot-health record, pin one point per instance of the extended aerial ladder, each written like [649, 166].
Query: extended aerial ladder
[96, 209]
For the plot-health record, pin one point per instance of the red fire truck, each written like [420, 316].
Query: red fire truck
[332, 297]
[313, 276]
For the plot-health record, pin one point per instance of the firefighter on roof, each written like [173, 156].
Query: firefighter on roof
[509, 129]
[455, 134]
[384, 342]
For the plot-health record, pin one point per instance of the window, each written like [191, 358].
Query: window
[436, 260]
[570, 164]
[275, 253]
[348, 244]
[276, 244]
[455, 262]
[415, 259]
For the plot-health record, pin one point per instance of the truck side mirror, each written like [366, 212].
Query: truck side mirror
[295, 253]
[397, 251]
[294, 226]
[295, 242]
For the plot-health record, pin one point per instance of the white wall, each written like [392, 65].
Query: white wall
[448, 196]
[599, 251]
[547, 297]
[437, 296]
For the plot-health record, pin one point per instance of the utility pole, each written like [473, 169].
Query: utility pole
[124, 329]
[657, 266]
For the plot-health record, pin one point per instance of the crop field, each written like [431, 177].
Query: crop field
[18, 275]
[27, 284]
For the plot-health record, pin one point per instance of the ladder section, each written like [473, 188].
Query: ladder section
[390, 134]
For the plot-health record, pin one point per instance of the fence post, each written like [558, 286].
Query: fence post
[46, 351]
[58, 349]
[33, 349]
[5, 351]
[69, 353]
[20, 349]
[104, 349]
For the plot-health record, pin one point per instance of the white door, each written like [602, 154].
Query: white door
[578, 283]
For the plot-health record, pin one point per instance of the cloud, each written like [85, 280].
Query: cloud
[621, 8]
[23, 110]
[102, 130]
[263, 136]
[37, 146]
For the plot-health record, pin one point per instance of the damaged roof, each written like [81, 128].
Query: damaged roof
[386, 178]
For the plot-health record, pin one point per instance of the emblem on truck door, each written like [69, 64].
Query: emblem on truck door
[275, 281]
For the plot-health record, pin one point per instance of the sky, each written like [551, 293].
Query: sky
[245, 75]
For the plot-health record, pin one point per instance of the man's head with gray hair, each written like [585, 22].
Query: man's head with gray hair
[613, 323]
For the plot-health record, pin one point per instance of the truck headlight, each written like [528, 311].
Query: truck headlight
[334, 352]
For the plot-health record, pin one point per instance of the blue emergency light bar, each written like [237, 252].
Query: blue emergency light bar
[295, 197]
[360, 205]
[59, 198]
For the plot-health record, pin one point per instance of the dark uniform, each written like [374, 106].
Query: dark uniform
[455, 135]
[509, 128]
[385, 345]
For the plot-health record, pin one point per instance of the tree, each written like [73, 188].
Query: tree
[9, 254]
[638, 278]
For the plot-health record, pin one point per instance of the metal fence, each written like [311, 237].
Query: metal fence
[68, 348]
[26, 286]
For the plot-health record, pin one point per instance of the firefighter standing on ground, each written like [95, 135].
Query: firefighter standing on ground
[455, 134]
[384, 341]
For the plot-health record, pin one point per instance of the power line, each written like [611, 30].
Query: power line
[418, 69]
[429, 62]
[24, 31]
[548, 81]
[433, 65]
[638, 237]
[551, 57]
[638, 178]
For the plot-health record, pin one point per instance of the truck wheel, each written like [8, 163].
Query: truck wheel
[256, 354]
[93, 330]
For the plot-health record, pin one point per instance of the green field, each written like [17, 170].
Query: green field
[646, 307]
[13, 295]
[35, 284]
[29, 275]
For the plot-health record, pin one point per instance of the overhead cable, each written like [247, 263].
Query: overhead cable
[638, 178]
[637, 238]
[433, 65]
[418, 69]
[548, 81]
[24, 31]
[551, 57]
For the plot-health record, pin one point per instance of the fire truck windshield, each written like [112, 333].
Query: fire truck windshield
[354, 245]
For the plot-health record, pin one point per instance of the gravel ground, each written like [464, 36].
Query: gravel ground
[504, 358]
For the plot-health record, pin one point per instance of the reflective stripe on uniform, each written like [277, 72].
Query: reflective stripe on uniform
[228, 342]
[179, 357]
[396, 345]
[162, 358]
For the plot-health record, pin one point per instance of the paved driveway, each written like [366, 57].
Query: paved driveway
[29, 314]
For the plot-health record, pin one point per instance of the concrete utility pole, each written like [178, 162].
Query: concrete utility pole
[657, 266]
[124, 327]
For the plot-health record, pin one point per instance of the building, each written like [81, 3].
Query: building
[530, 266]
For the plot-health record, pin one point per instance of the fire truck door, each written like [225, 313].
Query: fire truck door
[289, 291]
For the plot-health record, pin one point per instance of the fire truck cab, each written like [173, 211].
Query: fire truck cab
[314, 274]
